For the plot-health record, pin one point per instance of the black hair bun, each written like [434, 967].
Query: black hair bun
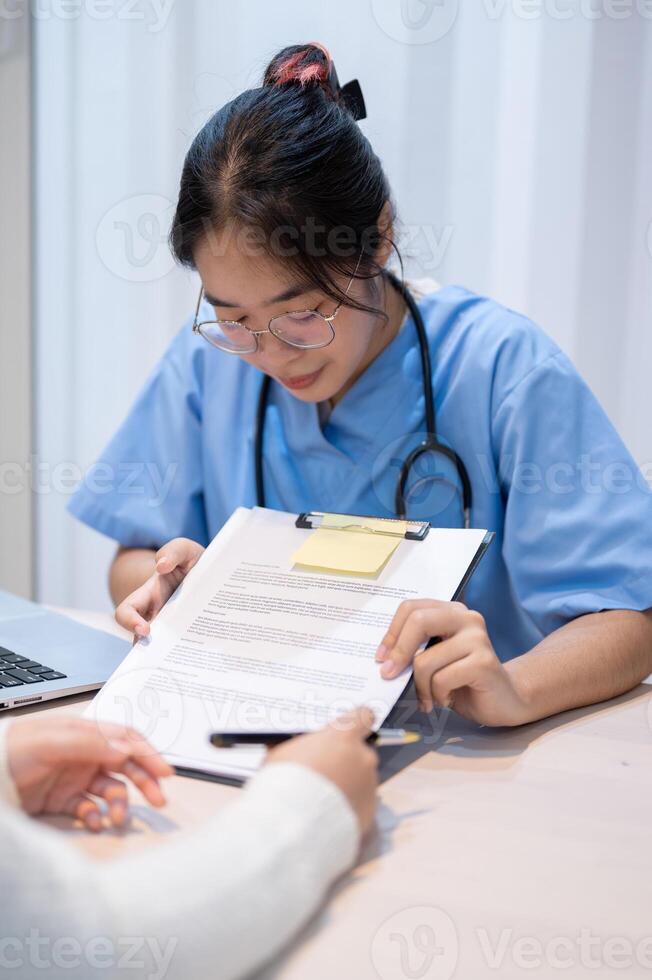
[309, 65]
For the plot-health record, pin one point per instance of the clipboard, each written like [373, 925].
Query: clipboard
[352, 544]
[248, 568]
[416, 530]
[391, 760]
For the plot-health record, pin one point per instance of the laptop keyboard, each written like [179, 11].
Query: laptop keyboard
[16, 670]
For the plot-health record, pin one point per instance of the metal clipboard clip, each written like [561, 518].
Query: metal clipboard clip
[313, 519]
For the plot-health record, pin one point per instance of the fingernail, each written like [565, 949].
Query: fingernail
[161, 561]
[389, 669]
[140, 630]
[381, 653]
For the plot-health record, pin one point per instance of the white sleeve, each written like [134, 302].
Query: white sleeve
[216, 902]
[8, 793]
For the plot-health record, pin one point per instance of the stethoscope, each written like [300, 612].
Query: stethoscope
[430, 444]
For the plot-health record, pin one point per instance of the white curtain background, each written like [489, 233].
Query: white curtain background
[516, 135]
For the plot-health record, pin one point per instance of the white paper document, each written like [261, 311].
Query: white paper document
[249, 642]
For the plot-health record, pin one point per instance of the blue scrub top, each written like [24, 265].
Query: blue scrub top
[571, 511]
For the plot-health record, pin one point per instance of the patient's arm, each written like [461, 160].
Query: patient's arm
[216, 902]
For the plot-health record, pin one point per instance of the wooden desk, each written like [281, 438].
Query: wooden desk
[495, 851]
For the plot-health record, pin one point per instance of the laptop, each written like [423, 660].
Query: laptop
[44, 655]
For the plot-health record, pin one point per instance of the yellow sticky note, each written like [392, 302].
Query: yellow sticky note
[347, 552]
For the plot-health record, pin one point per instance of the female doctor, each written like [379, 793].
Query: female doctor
[313, 378]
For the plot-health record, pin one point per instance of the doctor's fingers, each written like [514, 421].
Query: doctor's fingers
[441, 619]
[143, 604]
[438, 670]
[132, 613]
[478, 670]
[180, 553]
[404, 611]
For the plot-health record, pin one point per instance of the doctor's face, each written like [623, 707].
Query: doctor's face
[253, 289]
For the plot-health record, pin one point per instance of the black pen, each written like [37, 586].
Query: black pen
[230, 740]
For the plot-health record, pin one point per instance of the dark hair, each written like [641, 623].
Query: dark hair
[289, 161]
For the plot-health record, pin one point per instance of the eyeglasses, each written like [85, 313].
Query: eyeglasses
[306, 329]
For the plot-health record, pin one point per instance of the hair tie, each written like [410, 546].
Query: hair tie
[350, 94]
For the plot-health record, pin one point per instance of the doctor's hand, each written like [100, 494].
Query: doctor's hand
[461, 672]
[67, 765]
[173, 562]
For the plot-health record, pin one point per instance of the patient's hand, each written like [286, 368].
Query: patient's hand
[340, 754]
[173, 562]
[65, 765]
